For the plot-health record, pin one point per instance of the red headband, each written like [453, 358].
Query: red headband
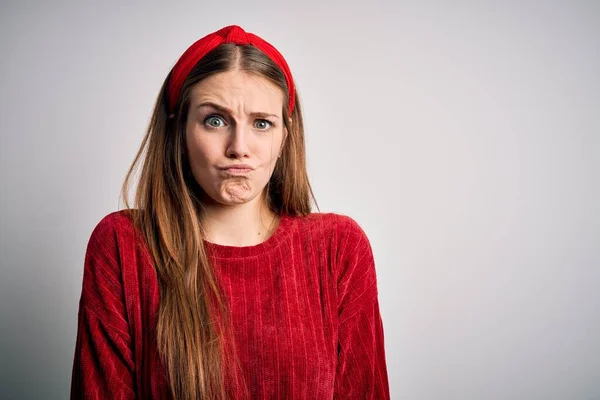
[228, 34]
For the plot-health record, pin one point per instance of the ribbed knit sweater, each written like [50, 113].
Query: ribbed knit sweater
[303, 303]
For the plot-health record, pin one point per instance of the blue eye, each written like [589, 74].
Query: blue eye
[214, 121]
[263, 124]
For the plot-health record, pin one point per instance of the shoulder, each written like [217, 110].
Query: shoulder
[352, 261]
[115, 221]
[334, 223]
[345, 237]
[344, 232]
[110, 258]
[111, 234]
[112, 225]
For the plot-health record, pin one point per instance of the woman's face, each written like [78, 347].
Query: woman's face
[234, 118]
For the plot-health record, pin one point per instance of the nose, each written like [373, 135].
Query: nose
[238, 146]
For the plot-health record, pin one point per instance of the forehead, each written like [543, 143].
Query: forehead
[235, 89]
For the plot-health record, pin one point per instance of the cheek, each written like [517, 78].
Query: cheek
[200, 159]
[200, 152]
[198, 156]
[269, 148]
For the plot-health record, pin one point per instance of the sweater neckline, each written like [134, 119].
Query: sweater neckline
[226, 251]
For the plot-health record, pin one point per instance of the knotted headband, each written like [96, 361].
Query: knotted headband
[228, 34]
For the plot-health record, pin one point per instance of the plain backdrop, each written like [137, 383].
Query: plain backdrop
[464, 137]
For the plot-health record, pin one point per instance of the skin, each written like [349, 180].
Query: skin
[235, 118]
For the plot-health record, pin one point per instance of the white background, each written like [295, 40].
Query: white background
[464, 137]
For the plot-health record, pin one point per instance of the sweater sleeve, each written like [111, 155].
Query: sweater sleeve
[103, 366]
[361, 367]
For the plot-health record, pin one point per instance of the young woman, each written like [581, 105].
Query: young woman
[220, 282]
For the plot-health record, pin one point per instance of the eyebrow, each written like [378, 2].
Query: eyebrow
[256, 114]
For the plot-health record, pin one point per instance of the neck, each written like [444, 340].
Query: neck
[239, 225]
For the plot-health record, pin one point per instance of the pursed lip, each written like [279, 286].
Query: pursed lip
[238, 166]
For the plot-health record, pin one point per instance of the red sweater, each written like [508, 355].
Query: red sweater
[304, 312]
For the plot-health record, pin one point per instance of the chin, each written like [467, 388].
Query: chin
[234, 202]
[237, 194]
